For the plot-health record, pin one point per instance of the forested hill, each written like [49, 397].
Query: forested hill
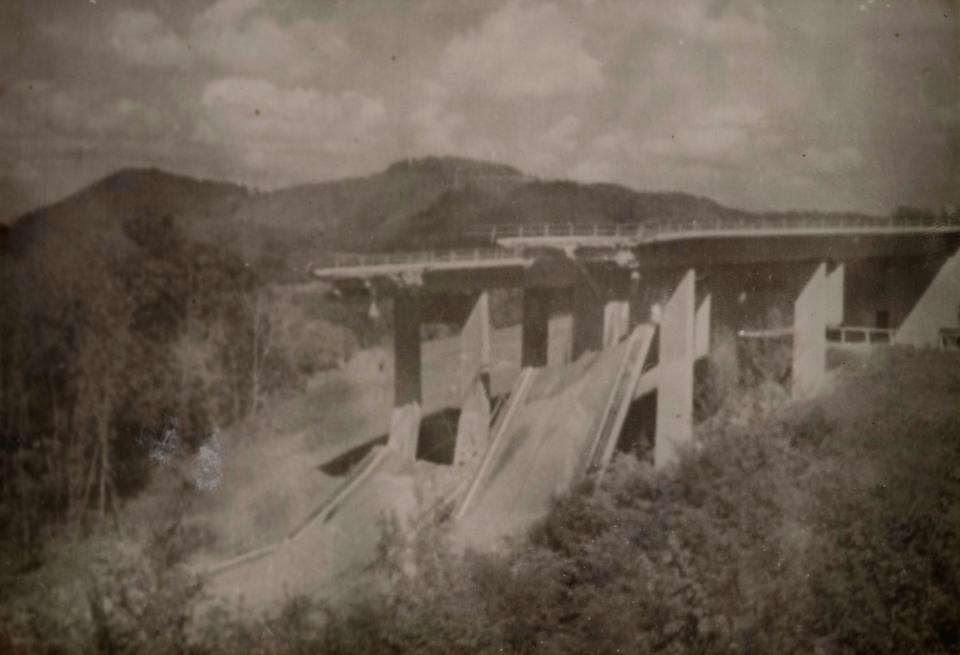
[412, 204]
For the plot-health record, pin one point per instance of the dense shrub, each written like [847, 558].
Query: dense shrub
[118, 597]
[825, 527]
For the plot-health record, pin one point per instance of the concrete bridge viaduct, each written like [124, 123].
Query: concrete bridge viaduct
[643, 301]
[881, 280]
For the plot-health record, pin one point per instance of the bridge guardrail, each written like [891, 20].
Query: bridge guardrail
[855, 334]
[423, 257]
[648, 231]
[662, 227]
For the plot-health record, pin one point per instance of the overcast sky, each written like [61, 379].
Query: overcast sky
[822, 104]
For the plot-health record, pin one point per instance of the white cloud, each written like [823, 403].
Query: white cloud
[522, 50]
[263, 118]
[142, 38]
[436, 128]
[833, 161]
[243, 39]
[44, 108]
[706, 145]
[733, 116]
[72, 114]
[563, 134]
[720, 135]
[608, 157]
[728, 23]
[544, 153]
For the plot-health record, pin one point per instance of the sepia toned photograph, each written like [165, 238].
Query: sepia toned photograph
[479, 326]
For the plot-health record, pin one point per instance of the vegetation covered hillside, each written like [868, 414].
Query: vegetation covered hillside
[830, 526]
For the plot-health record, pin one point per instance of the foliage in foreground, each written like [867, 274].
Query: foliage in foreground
[829, 527]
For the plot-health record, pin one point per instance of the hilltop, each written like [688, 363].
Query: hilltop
[416, 203]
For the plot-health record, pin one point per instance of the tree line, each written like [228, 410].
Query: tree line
[98, 362]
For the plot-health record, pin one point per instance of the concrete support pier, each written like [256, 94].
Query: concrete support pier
[675, 380]
[702, 326]
[589, 312]
[616, 322]
[937, 307]
[535, 338]
[810, 335]
[601, 314]
[836, 281]
[475, 344]
[407, 381]
[473, 426]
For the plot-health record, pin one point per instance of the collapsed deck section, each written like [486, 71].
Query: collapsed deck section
[327, 551]
[558, 425]
[562, 425]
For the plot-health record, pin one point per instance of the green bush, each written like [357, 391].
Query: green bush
[824, 527]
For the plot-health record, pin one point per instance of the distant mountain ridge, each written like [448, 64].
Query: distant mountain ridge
[412, 204]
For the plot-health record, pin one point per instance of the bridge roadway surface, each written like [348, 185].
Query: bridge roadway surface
[514, 243]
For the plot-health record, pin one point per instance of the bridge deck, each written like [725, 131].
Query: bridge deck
[516, 245]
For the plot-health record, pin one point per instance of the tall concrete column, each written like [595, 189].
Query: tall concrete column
[589, 312]
[702, 326]
[675, 381]
[601, 315]
[473, 426]
[616, 321]
[836, 279]
[535, 338]
[407, 382]
[810, 335]
[475, 344]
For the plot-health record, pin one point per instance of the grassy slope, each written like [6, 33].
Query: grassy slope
[830, 526]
